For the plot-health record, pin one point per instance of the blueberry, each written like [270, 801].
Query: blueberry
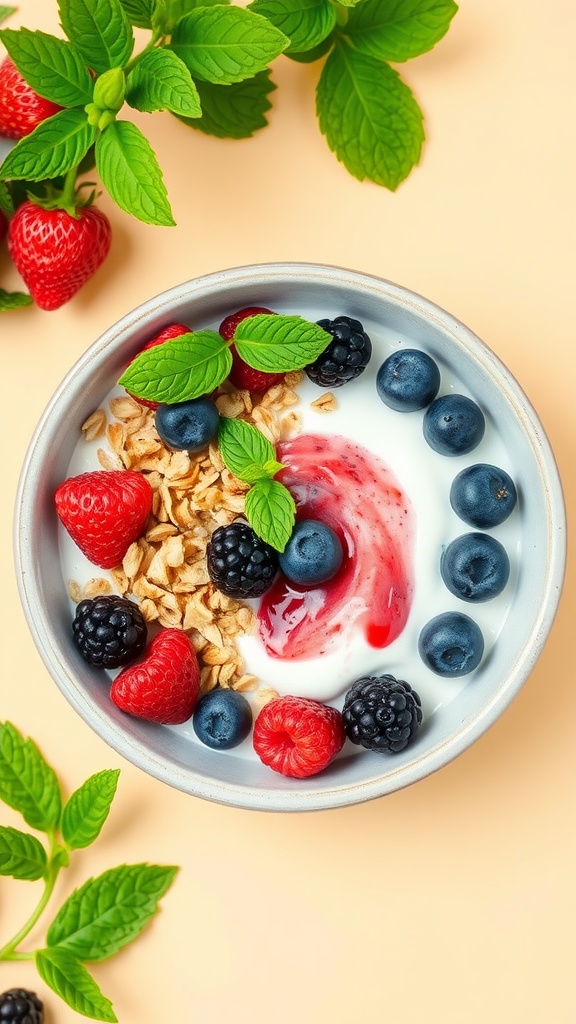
[222, 719]
[475, 567]
[453, 425]
[483, 496]
[451, 644]
[188, 426]
[313, 554]
[408, 380]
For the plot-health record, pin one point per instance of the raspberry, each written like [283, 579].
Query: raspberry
[382, 713]
[242, 376]
[297, 736]
[239, 563]
[109, 631]
[345, 358]
[20, 1006]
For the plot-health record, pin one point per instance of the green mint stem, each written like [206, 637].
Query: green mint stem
[8, 952]
[69, 188]
[155, 38]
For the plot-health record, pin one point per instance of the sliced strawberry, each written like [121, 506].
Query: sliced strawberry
[242, 376]
[172, 331]
[297, 736]
[165, 685]
[21, 109]
[104, 511]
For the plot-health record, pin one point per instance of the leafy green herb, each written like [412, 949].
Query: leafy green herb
[161, 81]
[271, 511]
[13, 300]
[226, 44]
[53, 67]
[101, 916]
[278, 344]
[101, 31]
[208, 63]
[245, 450]
[180, 369]
[270, 508]
[399, 29]
[128, 168]
[306, 22]
[54, 147]
[234, 111]
[369, 117]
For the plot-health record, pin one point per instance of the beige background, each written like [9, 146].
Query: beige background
[452, 901]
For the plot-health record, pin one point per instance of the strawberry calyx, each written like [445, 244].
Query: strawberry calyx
[69, 197]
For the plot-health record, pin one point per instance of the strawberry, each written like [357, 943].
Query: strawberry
[3, 226]
[242, 376]
[172, 331]
[21, 109]
[104, 511]
[297, 736]
[56, 252]
[164, 686]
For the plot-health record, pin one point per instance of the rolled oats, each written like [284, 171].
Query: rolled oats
[165, 570]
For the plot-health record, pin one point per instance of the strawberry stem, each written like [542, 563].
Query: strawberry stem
[68, 194]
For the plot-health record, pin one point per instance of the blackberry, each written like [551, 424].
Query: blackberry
[343, 359]
[239, 563]
[19, 1006]
[382, 713]
[109, 631]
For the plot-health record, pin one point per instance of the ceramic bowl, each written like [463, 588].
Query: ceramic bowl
[464, 709]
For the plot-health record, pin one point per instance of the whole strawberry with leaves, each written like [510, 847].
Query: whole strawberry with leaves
[21, 108]
[57, 244]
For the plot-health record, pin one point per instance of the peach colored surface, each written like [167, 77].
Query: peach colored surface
[453, 901]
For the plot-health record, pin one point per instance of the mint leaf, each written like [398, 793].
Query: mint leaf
[139, 12]
[87, 809]
[5, 12]
[108, 912]
[399, 29]
[306, 22]
[53, 67]
[56, 145]
[271, 511]
[100, 29]
[27, 782]
[129, 170]
[226, 44]
[161, 81]
[234, 111]
[181, 369]
[244, 449]
[13, 300]
[369, 117]
[176, 9]
[278, 344]
[70, 980]
[21, 855]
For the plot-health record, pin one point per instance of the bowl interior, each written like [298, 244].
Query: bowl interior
[164, 752]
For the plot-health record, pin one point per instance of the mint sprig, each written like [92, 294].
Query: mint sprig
[270, 508]
[195, 364]
[105, 913]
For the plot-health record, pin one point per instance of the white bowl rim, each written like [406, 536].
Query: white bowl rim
[332, 795]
